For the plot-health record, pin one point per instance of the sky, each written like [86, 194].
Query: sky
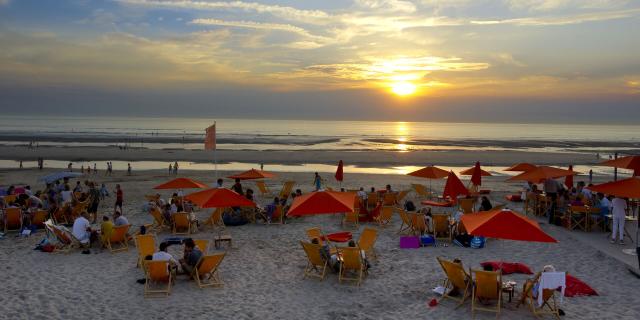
[400, 60]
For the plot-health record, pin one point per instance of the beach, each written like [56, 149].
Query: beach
[263, 271]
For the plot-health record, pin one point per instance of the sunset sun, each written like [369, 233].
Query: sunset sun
[403, 88]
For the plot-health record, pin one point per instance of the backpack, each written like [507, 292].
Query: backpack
[477, 242]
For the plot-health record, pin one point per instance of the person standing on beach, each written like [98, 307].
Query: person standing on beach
[551, 188]
[175, 168]
[317, 181]
[119, 197]
[128, 169]
[170, 168]
[619, 211]
[70, 167]
[237, 187]
[95, 168]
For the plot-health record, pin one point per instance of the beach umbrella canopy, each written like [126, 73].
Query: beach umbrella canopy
[59, 176]
[182, 183]
[340, 171]
[542, 173]
[628, 162]
[454, 187]
[219, 198]
[321, 202]
[504, 224]
[429, 172]
[252, 175]
[568, 180]
[470, 171]
[627, 188]
[521, 167]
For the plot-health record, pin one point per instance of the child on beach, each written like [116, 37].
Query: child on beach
[103, 192]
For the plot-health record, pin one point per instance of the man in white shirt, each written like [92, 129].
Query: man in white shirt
[618, 211]
[119, 219]
[66, 195]
[163, 255]
[362, 194]
[82, 229]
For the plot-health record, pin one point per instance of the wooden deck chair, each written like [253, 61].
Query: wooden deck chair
[59, 216]
[65, 240]
[78, 208]
[596, 219]
[372, 200]
[206, 271]
[278, 215]
[262, 187]
[202, 244]
[401, 195]
[12, 219]
[487, 285]
[467, 205]
[181, 223]
[421, 191]
[159, 222]
[418, 224]
[215, 219]
[441, 227]
[549, 305]
[316, 233]
[118, 240]
[389, 199]
[578, 216]
[456, 279]
[146, 245]
[39, 218]
[10, 198]
[316, 265]
[406, 221]
[157, 273]
[352, 262]
[352, 219]
[384, 218]
[367, 241]
[287, 187]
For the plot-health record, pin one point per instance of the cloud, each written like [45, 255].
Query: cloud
[551, 5]
[4, 2]
[388, 5]
[563, 20]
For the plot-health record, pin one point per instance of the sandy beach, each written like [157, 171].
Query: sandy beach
[263, 270]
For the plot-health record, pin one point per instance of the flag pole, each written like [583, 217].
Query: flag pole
[215, 147]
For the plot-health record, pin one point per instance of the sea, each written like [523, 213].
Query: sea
[294, 135]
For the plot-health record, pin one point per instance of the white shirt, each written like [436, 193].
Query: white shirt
[587, 193]
[362, 194]
[174, 208]
[605, 203]
[619, 206]
[121, 221]
[66, 196]
[163, 256]
[80, 227]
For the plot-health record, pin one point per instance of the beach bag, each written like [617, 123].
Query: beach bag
[477, 242]
[408, 242]
[427, 241]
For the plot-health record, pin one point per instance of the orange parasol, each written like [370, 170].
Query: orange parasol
[430, 172]
[219, 198]
[504, 224]
[522, 167]
[454, 187]
[320, 202]
[628, 162]
[252, 174]
[542, 173]
[182, 183]
[627, 188]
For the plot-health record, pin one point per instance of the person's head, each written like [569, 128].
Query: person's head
[77, 183]
[361, 189]
[103, 185]
[485, 199]
[373, 189]
[118, 186]
[117, 213]
[487, 267]
[341, 189]
[237, 180]
[189, 244]
[549, 268]
[316, 174]
[457, 260]
[600, 195]
[352, 243]
[249, 191]
[28, 187]
[219, 182]
[293, 195]
[388, 187]
[298, 192]
[85, 214]
[163, 246]
[66, 187]
[66, 180]
[105, 218]
[315, 241]
[276, 200]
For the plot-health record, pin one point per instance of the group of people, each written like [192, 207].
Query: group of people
[186, 264]
[173, 168]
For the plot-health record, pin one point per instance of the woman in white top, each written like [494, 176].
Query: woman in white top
[618, 211]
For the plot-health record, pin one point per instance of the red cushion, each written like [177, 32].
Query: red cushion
[577, 288]
[508, 267]
[514, 197]
[339, 236]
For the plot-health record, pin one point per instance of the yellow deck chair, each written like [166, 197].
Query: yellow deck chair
[146, 245]
[159, 222]
[367, 241]
[206, 271]
[389, 199]
[262, 187]
[157, 273]
[456, 278]
[418, 225]
[215, 219]
[59, 216]
[65, 242]
[118, 240]
[287, 187]
[316, 233]
[384, 218]
[372, 200]
[401, 195]
[441, 227]
[9, 198]
[278, 215]
[352, 262]
[39, 218]
[316, 265]
[467, 205]
[421, 191]
[406, 221]
[181, 223]
[549, 305]
[352, 219]
[12, 219]
[203, 244]
[487, 285]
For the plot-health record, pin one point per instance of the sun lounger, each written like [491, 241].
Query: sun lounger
[467, 205]
[118, 241]
[39, 218]
[65, 241]
[262, 187]
[351, 218]
[181, 223]
[12, 219]
[157, 274]
[215, 219]
[146, 245]
[206, 271]
[352, 262]
[421, 191]
[487, 286]
[406, 221]
[287, 187]
[441, 230]
[457, 279]
[316, 265]
[159, 222]
[548, 306]
[367, 241]
[384, 218]
[202, 244]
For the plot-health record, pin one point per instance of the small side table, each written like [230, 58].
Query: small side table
[509, 288]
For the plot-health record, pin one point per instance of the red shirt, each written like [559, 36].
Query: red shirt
[119, 195]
